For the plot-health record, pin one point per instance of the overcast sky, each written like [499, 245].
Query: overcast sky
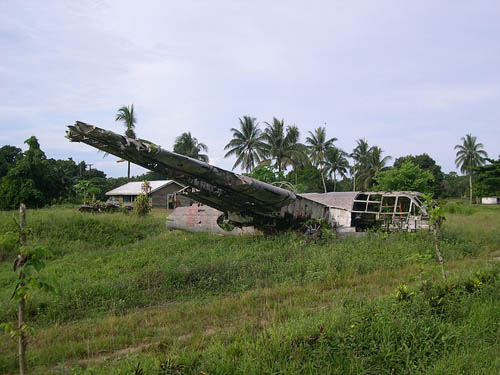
[409, 76]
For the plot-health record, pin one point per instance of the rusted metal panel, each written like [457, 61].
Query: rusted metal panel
[338, 199]
[200, 218]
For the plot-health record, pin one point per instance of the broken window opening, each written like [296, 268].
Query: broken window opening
[388, 205]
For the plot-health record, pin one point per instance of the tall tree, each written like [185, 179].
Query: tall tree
[186, 144]
[336, 163]
[247, 144]
[426, 163]
[488, 178]
[127, 116]
[282, 144]
[469, 156]
[318, 145]
[367, 162]
[9, 155]
[375, 163]
[408, 176]
[32, 181]
[360, 156]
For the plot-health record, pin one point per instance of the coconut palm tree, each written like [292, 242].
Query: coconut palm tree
[469, 156]
[318, 145]
[360, 156]
[248, 144]
[127, 116]
[282, 144]
[375, 163]
[186, 144]
[336, 162]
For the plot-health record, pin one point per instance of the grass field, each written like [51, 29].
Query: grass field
[130, 295]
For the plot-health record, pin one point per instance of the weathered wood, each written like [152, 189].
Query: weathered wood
[436, 228]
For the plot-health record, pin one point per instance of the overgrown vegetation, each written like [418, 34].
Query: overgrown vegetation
[29, 262]
[280, 304]
[272, 154]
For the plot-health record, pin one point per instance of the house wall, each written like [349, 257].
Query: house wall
[490, 200]
[160, 197]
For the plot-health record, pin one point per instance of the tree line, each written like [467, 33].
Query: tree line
[273, 153]
[364, 168]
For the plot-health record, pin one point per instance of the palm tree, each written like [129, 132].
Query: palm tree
[336, 162]
[126, 114]
[375, 163]
[282, 144]
[247, 144]
[186, 144]
[318, 145]
[360, 157]
[469, 156]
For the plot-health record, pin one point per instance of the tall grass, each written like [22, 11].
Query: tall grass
[109, 267]
[459, 209]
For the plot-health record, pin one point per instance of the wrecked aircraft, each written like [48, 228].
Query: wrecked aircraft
[238, 202]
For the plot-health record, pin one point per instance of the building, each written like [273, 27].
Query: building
[164, 194]
[490, 200]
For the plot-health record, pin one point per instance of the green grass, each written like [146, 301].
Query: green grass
[128, 291]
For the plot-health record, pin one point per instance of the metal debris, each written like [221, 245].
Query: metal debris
[241, 201]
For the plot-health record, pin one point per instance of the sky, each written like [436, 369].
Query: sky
[408, 76]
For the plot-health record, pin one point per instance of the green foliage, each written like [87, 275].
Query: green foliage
[458, 209]
[186, 144]
[426, 163]
[101, 262]
[87, 190]
[422, 333]
[267, 173]
[142, 205]
[306, 179]
[247, 144]
[8, 158]
[31, 180]
[126, 115]
[31, 281]
[407, 177]
[9, 242]
[282, 145]
[470, 154]
[454, 186]
[254, 304]
[336, 163]
[28, 264]
[435, 212]
[403, 293]
[368, 161]
[488, 179]
[318, 146]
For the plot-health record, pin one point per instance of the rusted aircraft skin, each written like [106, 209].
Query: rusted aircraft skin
[245, 202]
[201, 218]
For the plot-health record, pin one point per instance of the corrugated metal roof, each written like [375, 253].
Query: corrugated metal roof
[343, 200]
[134, 188]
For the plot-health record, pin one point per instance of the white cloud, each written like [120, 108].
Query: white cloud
[391, 72]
